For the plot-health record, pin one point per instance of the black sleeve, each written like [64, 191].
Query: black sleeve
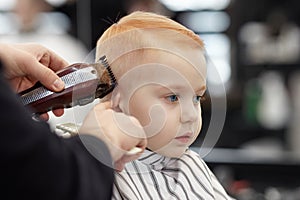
[37, 164]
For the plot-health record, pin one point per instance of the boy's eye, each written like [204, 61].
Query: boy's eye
[172, 98]
[197, 99]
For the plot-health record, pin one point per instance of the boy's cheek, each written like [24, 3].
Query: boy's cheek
[158, 141]
[199, 127]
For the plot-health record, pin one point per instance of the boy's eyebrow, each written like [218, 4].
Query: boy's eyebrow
[201, 89]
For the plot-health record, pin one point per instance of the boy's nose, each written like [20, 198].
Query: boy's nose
[189, 112]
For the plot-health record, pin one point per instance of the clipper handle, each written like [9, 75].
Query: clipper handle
[81, 81]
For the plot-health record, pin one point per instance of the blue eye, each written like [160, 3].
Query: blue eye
[197, 99]
[172, 98]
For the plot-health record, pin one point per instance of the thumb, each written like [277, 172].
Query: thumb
[47, 77]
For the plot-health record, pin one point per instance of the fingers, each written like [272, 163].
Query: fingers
[120, 164]
[42, 63]
[43, 55]
[58, 112]
[127, 124]
[53, 61]
[120, 132]
[142, 144]
[46, 76]
[134, 151]
[44, 116]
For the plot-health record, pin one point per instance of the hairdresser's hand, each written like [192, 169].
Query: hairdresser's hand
[25, 64]
[120, 132]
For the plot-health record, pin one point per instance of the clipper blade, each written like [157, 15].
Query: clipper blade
[104, 62]
[106, 86]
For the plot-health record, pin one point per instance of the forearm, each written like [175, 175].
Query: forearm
[36, 164]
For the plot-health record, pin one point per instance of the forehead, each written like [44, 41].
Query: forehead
[190, 60]
[165, 68]
[119, 46]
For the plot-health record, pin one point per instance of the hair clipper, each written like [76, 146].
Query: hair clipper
[83, 84]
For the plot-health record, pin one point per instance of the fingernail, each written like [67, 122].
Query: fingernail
[58, 84]
[134, 151]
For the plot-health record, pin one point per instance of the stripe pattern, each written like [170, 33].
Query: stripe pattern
[154, 176]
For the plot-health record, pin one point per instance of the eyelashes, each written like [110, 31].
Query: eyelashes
[174, 98]
[198, 99]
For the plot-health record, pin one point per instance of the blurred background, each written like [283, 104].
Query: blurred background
[253, 45]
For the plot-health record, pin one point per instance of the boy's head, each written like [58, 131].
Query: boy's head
[161, 71]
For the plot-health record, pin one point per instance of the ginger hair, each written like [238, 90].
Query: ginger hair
[138, 35]
[144, 20]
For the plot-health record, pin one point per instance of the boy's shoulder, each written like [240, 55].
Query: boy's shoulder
[194, 155]
[192, 152]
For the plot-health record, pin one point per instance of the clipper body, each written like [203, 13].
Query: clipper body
[83, 84]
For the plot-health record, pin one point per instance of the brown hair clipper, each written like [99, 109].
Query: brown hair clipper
[83, 84]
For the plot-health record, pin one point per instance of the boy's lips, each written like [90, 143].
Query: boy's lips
[184, 138]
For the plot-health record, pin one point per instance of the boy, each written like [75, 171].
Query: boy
[160, 69]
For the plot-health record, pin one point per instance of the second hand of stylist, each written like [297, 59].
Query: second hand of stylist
[38, 164]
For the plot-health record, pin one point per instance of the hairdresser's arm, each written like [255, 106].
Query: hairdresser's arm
[25, 64]
[37, 164]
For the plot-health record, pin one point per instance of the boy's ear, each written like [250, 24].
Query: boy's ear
[115, 100]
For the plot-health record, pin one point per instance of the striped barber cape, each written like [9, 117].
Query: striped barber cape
[154, 176]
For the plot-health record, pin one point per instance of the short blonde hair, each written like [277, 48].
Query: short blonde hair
[142, 20]
[139, 31]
